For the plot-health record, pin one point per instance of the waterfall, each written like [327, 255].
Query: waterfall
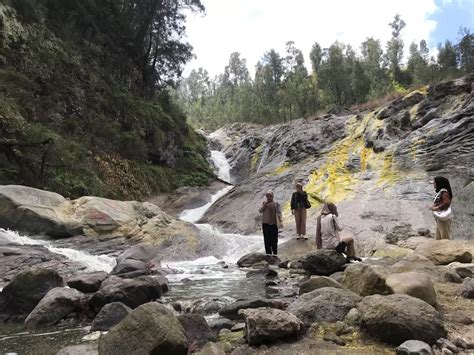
[263, 157]
[91, 262]
[223, 167]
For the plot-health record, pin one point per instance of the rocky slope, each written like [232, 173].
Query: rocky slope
[376, 165]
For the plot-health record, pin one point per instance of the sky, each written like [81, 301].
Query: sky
[253, 27]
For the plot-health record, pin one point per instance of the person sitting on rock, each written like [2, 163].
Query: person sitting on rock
[442, 207]
[271, 222]
[327, 233]
[299, 204]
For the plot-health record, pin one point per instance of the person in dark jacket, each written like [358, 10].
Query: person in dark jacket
[442, 207]
[271, 222]
[299, 205]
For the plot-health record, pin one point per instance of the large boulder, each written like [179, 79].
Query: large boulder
[295, 249]
[140, 257]
[414, 347]
[324, 304]
[253, 258]
[149, 329]
[131, 292]
[196, 329]
[415, 284]
[467, 289]
[323, 262]
[443, 252]
[56, 305]
[462, 269]
[363, 280]
[419, 263]
[87, 283]
[109, 316]
[231, 311]
[397, 318]
[27, 209]
[268, 324]
[316, 282]
[27, 288]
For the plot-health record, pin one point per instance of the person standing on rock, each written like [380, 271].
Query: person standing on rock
[327, 233]
[271, 222]
[299, 205]
[442, 207]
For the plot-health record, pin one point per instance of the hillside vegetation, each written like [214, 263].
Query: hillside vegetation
[84, 103]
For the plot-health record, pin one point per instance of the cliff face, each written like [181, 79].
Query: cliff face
[73, 117]
[377, 166]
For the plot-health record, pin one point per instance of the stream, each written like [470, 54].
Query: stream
[212, 277]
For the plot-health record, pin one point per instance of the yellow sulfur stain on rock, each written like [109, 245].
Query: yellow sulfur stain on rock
[388, 174]
[255, 157]
[281, 169]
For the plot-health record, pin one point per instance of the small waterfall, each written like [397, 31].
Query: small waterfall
[265, 152]
[91, 262]
[223, 167]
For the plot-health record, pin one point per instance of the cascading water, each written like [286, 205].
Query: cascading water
[265, 152]
[91, 262]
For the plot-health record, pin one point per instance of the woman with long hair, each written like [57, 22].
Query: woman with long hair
[442, 207]
[299, 204]
[327, 233]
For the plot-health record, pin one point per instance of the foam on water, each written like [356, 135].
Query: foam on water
[91, 262]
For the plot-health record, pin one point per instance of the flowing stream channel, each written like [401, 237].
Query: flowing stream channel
[214, 277]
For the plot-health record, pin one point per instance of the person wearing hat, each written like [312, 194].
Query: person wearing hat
[299, 205]
[271, 222]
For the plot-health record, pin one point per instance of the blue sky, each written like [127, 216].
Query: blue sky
[450, 16]
[253, 27]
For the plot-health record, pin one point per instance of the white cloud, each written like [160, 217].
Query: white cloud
[252, 27]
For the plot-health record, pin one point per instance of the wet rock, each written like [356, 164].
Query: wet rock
[196, 329]
[131, 292]
[467, 290]
[27, 288]
[149, 329]
[129, 266]
[158, 281]
[254, 258]
[87, 283]
[220, 323]
[323, 262]
[397, 318]
[316, 282]
[325, 304]
[55, 305]
[231, 311]
[414, 284]
[414, 347]
[443, 252]
[267, 324]
[265, 272]
[363, 280]
[109, 316]
[83, 349]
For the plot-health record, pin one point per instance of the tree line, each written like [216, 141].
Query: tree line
[283, 89]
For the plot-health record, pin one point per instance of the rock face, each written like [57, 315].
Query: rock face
[254, 258]
[109, 316]
[87, 283]
[57, 304]
[37, 211]
[414, 347]
[196, 329]
[443, 252]
[323, 262]
[27, 288]
[267, 324]
[325, 304]
[150, 329]
[363, 280]
[131, 292]
[380, 165]
[397, 318]
[231, 310]
[414, 284]
[318, 282]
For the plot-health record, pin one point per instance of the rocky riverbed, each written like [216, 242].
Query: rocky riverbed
[184, 273]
